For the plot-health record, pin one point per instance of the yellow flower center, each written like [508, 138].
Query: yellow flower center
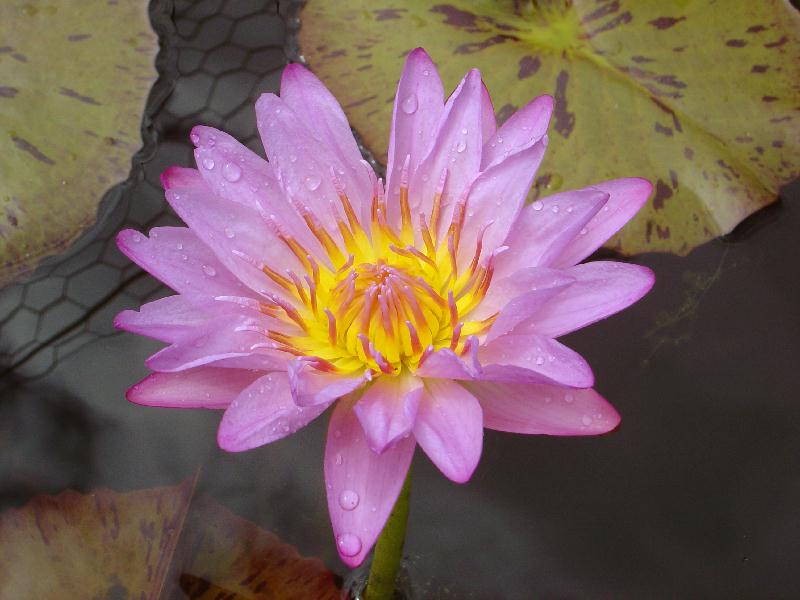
[389, 299]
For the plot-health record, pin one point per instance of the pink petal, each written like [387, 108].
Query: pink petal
[601, 289]
[362, 485]
[224, 338]
[262, 413]
[522, 129]
[497, 196]
[456, 149]
[177, 257]
[446, 364]
[238, 235]
[235, 173]
[545, 228]
[418, 106]
[449, 428]
[388, 409]
[488, 121]
[311, 387]
[627, 196]
[167, 320]
[543, 409]
[180, 177]
[303, 164]
[204, 387]
[533, 358]
[320, 112]
[520, 296]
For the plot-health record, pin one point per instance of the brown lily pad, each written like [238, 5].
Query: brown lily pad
[699, 97]
[74, 79]
[156, 544]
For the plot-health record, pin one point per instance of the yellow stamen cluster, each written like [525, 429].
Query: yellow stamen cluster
[390, 298]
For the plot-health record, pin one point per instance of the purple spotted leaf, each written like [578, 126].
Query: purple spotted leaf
[701, 98]
[74, 79]
[155, 544]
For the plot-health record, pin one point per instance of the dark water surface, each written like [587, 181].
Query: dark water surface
[695, 496]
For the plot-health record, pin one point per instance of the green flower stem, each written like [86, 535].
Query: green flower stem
[389, 549]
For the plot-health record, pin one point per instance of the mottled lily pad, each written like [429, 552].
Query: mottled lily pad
[156, 544]
[74, 79]
[699, 97]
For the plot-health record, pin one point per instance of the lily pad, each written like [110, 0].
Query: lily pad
[156, 544]
[74, 80]
[699, 97]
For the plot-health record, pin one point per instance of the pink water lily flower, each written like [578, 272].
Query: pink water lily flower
[428, 307]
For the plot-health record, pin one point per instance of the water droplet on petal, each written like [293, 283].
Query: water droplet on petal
[313, 182]
[569, 398]
[540, 360]
[180, 246]
[538, 205]
[339, 459]
[410, 104]
[464, 131]
[586, 420]
[555, 208]
[292, 158]
[349, 544]
[208, 163]
[426, 72]
[229, 233]
[461, 146]
[232, 172]
[195, 138]
[348, 500]
[137, 238]
[584, 231]
[209, 270]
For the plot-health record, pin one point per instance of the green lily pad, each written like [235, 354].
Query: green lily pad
[74, 79]
[699, 97]
[156, 544]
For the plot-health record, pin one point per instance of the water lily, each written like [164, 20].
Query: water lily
[423, 310]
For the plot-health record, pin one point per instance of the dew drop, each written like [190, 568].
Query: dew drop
[339, 459]
[208, 163]
[555, 208]
[540, 360]
[313, 182]
[137, 238]
[232, 172]
[586, 420]
[210, 271]
[538, 205]
[229, 233]
[464, 131]
[348, 500]
[461, 146]
[292, 158]
[584, 231]
[426, 72]
[195, 138]
[349, 544]
[410, 104]
[180, 246]
[569, 398]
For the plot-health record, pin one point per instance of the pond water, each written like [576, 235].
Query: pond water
[695, 495]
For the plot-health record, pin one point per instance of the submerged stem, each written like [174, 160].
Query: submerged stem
[389, 549]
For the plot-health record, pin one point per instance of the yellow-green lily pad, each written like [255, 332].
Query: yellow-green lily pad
[702, 98]
[74, 80]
